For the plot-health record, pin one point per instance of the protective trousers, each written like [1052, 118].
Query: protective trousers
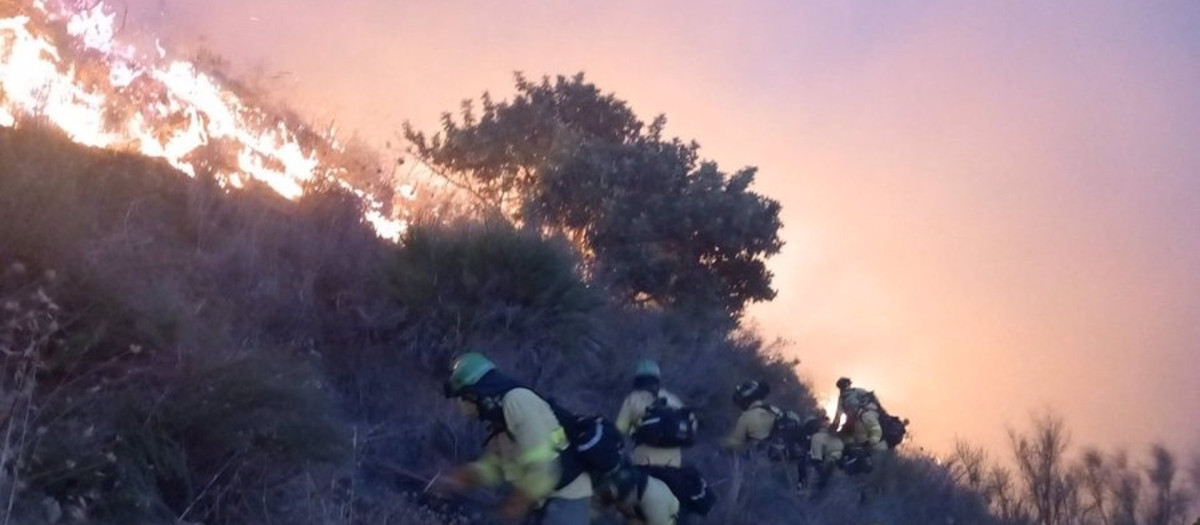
[867, 431]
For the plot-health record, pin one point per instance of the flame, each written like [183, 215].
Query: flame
[101, 94]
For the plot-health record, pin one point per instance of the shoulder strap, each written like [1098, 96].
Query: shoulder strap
[774, 410]
[642, 481]
[869, 399]
[660, 400]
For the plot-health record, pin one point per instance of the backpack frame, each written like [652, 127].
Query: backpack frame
[787, 441]
[665, 426]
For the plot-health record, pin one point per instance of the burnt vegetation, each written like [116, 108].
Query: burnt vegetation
[174, 352]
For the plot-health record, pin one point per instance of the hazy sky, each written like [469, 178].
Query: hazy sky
[989, 210]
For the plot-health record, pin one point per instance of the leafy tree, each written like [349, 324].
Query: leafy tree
[656, 224]
[495, 157]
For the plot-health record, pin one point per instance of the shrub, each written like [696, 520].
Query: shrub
[202, 439]
[491, 286]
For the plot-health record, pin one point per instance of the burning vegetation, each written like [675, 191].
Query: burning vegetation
[61, 64]
[200, 321]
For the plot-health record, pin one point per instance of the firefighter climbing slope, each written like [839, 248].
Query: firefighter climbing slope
[866, 422]
[656, 419]
[527, 447]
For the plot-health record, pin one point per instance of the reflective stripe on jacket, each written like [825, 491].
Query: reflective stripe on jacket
[631, 412]
[527, 455]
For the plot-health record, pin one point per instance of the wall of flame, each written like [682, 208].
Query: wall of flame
[60, 63]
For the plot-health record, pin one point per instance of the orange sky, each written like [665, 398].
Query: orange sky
[988, 211]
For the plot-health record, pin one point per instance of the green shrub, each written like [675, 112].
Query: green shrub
[491, 286]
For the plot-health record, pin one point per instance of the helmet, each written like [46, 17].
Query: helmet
[748, 392]
[467, 370]
[647, 368]
[843, 383]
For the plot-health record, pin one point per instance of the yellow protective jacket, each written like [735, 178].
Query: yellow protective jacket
[631, 412]
[852, 402]
[754, 424]
[527, 453]
[862, 417]
[825, 447]
[656, 506]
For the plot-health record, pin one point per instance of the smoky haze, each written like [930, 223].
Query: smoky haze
[988, 211]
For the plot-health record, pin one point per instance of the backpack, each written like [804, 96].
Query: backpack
[619, 485]
[856, 401]
[687, 485]
[594, 446]
[894, 428]
[788, 440]
[594, 441]
[665, 426]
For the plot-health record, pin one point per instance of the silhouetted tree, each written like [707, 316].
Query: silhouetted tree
[1096, 482]
[1050, 489]
[1005, 501]
[1168, 504]
[656, 224]
[1127, 491]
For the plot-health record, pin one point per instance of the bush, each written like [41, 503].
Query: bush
[200, 440]
[491, 286]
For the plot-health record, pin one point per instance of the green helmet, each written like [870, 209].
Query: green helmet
[467, 370]
[647, 368]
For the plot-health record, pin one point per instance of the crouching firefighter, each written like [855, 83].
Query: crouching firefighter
[862, 416]
[526, 448]
[824, 452]
[640, 498]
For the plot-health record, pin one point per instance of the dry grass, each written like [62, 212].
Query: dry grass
[223, 357]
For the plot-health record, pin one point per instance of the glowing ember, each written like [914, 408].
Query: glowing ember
[170, 111]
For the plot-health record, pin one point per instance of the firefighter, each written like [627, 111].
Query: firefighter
[756, 420]
[772, 431]
[862, 416]
[824, 451]
[641, 499]
[647, 391]
[526, 447]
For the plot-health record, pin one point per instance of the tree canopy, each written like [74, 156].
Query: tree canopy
[656, 224]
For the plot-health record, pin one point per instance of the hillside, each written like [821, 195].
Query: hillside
[201, 323]
[230, 357]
